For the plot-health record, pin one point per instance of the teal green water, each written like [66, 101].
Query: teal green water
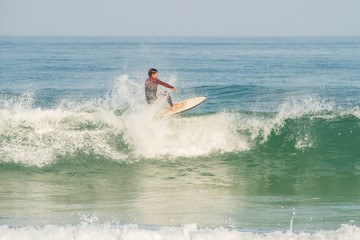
[274, 147]
[294, 172]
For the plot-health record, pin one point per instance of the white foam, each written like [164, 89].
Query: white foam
[356, 112]
[189, 231]
[297, 107]
[36, 136]
[151, 136]
[261, 127]
[192, 136]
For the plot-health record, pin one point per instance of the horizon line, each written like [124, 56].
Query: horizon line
[173, 36]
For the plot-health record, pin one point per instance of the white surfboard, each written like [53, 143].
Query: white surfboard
[182, 106]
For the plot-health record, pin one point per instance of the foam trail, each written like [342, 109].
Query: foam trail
[122, 127]
[178, 137]
[35, 136]
[189, 231]
[151, 136]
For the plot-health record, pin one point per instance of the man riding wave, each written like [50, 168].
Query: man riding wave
[151, 88]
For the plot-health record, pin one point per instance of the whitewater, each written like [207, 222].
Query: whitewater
[271, 154]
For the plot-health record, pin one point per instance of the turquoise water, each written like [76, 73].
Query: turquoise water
[272, 153]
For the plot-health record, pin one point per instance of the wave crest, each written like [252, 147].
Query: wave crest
[121, 127]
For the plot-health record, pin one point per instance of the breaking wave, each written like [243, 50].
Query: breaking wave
[122, 128]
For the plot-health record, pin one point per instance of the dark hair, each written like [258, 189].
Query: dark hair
[152, 71]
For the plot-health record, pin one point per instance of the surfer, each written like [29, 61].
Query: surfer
[151, 88]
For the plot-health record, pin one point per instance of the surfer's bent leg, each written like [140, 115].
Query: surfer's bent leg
[150, 97]
[167, 95]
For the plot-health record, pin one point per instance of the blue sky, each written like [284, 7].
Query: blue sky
[180, 17]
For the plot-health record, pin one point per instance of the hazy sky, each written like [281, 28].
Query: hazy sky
[180, 17]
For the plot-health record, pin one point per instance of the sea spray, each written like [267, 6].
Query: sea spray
[123, 128]
[36, 136]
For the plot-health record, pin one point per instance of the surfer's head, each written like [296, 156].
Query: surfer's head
[152, 71]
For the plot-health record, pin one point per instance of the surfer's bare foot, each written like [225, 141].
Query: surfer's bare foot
[173, 107]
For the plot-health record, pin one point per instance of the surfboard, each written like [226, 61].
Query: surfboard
[182, 106]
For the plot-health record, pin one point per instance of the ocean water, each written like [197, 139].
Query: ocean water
[273, 153]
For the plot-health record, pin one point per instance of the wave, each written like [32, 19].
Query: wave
[189, 231]
[122, 128]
